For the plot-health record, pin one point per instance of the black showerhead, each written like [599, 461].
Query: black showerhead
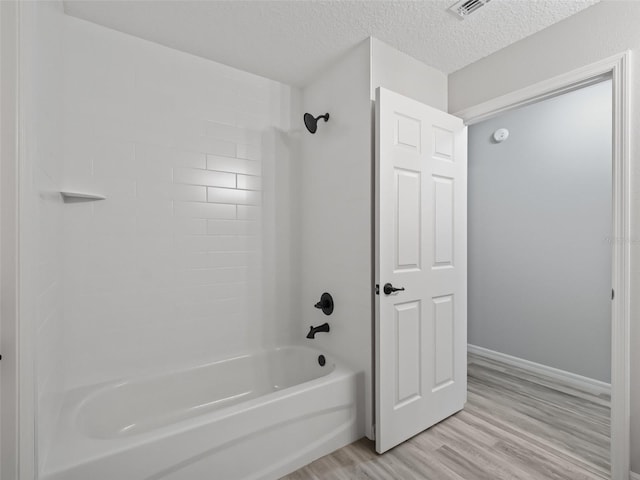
[312, 123]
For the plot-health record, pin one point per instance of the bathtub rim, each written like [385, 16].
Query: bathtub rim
[99, 389]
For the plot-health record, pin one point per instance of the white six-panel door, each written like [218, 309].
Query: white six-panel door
[421, 246]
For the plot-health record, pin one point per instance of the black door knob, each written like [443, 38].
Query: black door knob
[388, 289]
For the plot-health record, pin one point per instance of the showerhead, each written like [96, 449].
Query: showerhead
[312, 123]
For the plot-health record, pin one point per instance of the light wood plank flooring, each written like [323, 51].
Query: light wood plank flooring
[515, 426]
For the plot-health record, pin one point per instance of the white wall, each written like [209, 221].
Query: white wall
[167, 271]
[41, 242]
[540, 233]
[407, 76]
[10, 381]
[335, 222]
[336, 194]
[593, 34]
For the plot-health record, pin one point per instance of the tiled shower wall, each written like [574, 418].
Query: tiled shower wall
[169, 270]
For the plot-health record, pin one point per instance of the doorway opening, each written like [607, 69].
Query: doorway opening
[540, 262]
[617, 68]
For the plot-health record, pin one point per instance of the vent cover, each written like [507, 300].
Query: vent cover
[464, 8]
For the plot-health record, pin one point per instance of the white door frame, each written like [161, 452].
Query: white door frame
[617, 67]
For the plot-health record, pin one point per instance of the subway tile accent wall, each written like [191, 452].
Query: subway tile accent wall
[168, 270]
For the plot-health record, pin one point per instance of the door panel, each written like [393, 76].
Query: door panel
[443, 221]
[408, 321]
[420, 247]
[443, 341]
[408, 215]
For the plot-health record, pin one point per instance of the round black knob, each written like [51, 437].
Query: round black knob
[325, 304]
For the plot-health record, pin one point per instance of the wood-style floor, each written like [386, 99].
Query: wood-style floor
[515, 426]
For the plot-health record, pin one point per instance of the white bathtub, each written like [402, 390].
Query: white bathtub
[256, 416]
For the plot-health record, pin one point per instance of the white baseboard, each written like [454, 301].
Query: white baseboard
[634, 476]
[578, 381]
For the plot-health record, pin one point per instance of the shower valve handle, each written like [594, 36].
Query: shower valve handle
[325, 304]
[388, 289]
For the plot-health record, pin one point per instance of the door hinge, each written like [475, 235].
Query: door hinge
[377, 289]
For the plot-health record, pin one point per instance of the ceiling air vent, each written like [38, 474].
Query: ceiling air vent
[464, 8]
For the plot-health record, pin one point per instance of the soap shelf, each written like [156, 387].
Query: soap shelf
[80, 196]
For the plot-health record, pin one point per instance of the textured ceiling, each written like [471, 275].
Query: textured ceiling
[292, 40]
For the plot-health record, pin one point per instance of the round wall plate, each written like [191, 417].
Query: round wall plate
[327, 303]
[501, 135]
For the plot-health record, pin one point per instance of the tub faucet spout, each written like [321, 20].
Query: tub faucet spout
[321, 328]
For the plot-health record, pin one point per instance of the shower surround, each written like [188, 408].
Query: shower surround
[168, 269]
[178, 266]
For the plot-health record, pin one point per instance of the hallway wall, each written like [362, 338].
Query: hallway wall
[540, 233]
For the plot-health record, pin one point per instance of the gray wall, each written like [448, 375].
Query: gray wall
[539, 227]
